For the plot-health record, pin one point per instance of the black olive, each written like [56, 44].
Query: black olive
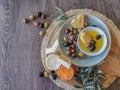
[92, 48]
[52, 71]
[98, 36]
[66, 44]
[39, 14]
[41, 25]
[41, 74]
[94, 25]
[54, 77]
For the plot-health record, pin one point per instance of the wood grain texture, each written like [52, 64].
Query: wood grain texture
[110, 60]
[20, 60]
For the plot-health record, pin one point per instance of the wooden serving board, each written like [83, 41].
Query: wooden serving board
[113, 58]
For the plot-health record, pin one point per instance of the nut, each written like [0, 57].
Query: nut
[69, 48]
[25, 20]
[73, 55]
[75, 32]
[67, 31]
[73, 46]
[37, 23]
[71, 42]
[43, 16]
[68, 53]
[72, 37]
[73, 50]
[66, 39]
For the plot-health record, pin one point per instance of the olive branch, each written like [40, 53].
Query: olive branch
[62, 17]
[90, 78]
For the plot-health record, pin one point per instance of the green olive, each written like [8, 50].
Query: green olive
[81, 54]
[43, 16]
[70, 33]
[46, 74]
[42, 33]
[79, 30]
[46, 25]
[32, 17]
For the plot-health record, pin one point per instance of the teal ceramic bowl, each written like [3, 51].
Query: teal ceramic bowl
[87, 60]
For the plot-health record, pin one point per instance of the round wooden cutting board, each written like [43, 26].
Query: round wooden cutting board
[113, 58]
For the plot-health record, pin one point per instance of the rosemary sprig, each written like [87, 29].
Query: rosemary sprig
[62, 17]
[90, 78]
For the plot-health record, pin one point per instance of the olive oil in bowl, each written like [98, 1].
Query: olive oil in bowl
[99, 42]
[89, 34]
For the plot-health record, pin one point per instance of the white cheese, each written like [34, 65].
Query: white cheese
[52, 63]
[65, 64]
[53, 48]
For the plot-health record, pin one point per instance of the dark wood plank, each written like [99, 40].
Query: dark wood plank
[20, 44]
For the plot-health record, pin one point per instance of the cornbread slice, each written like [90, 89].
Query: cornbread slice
[78, 22]
[85, 37]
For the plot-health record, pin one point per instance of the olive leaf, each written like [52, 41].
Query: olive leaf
[77, 86]
[90, 78]
[100, 75]
[62, 17]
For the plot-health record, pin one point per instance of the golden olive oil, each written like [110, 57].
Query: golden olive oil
[98, 44]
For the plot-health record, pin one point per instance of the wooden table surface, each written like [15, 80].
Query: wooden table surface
[20, 44]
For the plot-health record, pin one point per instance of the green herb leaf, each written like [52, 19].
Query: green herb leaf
[59, 11]
[101, 75]
[62, 17]
[90, 78]
[78, 80]
[77, 86]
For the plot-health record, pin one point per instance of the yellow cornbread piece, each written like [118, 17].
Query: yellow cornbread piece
[85, 37]
[78, 22]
